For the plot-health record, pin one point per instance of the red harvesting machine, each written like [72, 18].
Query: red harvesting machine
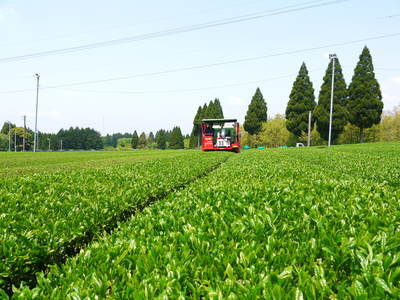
[220, 135]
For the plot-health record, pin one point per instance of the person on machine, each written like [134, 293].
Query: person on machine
[209, 130]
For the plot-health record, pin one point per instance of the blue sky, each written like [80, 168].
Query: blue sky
[161, 101]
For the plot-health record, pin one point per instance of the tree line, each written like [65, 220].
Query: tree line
[356, 107]
[73, 138]
[163, 139]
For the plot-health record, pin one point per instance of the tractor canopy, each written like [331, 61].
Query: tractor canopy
[220, 134]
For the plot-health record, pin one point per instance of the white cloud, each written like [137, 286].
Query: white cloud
[396, 79]
[326, 55]
[46, 114]
[7, 13]
[237, 101]
[391, 92]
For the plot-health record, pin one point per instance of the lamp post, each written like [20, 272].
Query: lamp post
[49, 143]
[9, 136]
[36, 114]
[332, 57]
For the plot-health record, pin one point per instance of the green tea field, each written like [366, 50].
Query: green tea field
[296, 223]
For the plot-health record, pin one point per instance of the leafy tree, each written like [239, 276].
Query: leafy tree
[17, 138]
[124, 142]
[135, 140]
[315, 138]
[161, 139]
[322, 111]
[111, 140]
[365, 98]
[389, 128]
[246, 138]
[176, 140]
[256, 113]
[273, 133]
[301, 101]
[142, 141]
[3, 142]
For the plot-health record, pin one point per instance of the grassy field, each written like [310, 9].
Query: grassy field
[269, 224]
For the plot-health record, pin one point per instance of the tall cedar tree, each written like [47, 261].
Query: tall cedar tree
[211, 111]
[322, 111]
[301, 101]
[256, 113]
[365, 98]
[142, 141]
[150, 138]
[135, 140]
[193, 143]
[176, 140]
[218, 112]
[161, 139]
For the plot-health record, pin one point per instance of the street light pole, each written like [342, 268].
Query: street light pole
[49, 143]
[61, 145]
[333, 58]
[23, 141]
[36, 114]
[9, 136]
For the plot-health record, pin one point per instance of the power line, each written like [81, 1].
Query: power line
[197, 67]
[111, 28]
[186, 90]
[177, 30]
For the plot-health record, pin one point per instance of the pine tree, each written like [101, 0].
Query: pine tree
[256, 113]
[135, 140]
[142, 141]
[210, 111]
[219, 114]
[301, 101]
[150, 138]
[204, 112]
[365, 98]
[161, 139]
[322, 111]
[196, 129]
[176, 140]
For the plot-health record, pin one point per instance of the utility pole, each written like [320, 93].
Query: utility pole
[61, 145]
[9, 136]
[23, 140]
[49, 143]
[15, 141]
[309, 129]
[333, 58]
[36, 114]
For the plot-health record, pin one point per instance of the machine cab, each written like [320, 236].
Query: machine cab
[220, 134]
